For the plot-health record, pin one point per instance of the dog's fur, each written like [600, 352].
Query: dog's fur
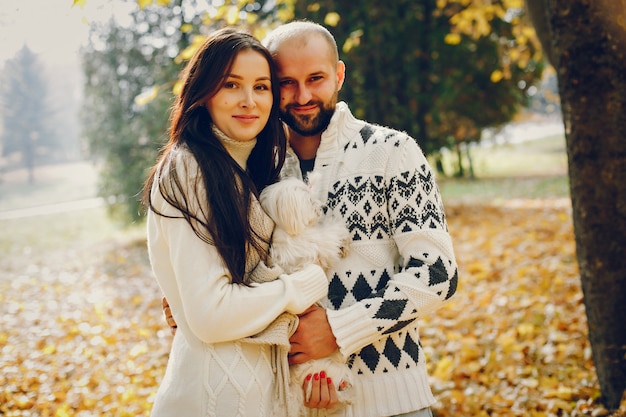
[302, 236]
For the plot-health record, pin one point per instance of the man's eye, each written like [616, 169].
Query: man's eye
[285, 83]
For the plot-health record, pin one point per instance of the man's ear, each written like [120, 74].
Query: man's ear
[341, 74]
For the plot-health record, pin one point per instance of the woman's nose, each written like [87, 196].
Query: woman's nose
[247, 99]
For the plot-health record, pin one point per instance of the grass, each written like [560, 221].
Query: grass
[26, 238]
[532, 169]
[59, 231]
[497, 189]
[540, 157]
[53, 184]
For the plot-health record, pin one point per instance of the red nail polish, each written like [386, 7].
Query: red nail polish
[322, 374]
[329, 381]
[316, 376]
[308, 377]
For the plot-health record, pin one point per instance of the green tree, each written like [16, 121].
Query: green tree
[585, 42]
[441, 70]
[129, 75]
[25, 111]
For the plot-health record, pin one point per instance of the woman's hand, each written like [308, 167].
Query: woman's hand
[319, 391]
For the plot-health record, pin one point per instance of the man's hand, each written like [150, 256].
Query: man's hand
[313, 338]
[168, 316]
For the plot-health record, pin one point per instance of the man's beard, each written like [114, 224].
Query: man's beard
[309, 125]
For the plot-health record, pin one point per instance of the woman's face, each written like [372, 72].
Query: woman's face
[242, 105]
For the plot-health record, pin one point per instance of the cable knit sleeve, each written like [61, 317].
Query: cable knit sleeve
[191, 274]
[410, 229]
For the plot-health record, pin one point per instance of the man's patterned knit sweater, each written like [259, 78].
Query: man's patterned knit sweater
[400, 264]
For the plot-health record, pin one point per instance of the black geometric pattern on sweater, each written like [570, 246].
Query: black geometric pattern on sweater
[453, 283]
[336, 292]
[392, 352]
[399, 326]
[357, 198]
[437, 273]
[366, 133]
[370, 356]
[405, 187]
[382, 281]
[411, 348]
[355, 192]
[356, 223]
[391, 309]
[414, 263]
[367, 207]
[361, 288]
[426, 181]
[430, 212]
[407, 218]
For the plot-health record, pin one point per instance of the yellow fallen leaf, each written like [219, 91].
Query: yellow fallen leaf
[49, 349]
[62, 411]
[443, 370]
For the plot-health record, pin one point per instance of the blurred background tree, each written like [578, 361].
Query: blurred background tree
[442, 70]
[127, 65]
[26, 114]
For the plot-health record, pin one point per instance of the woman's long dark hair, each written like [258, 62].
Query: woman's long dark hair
[224, 217]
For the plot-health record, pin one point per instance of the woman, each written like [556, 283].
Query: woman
[207, 234]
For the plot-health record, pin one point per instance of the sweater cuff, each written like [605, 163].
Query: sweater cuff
[351, 328]
[306, 287]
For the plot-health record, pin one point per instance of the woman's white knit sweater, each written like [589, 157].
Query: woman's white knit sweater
[400, 264]
[212, 371]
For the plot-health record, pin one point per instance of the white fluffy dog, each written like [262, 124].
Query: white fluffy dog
[302, 236]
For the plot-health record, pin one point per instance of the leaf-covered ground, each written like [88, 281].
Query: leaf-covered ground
[82, 333]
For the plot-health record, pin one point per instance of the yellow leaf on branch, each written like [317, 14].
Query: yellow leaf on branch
[452, 39]
[496, 76]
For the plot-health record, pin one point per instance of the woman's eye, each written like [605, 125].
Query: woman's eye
[263, 87]
[229, 85]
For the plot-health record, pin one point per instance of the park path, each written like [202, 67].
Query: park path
[51, 208]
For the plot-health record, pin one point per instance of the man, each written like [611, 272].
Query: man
[400, 264]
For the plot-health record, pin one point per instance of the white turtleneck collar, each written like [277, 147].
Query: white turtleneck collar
[238, 150]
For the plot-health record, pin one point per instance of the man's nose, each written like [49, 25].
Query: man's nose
[303, 95]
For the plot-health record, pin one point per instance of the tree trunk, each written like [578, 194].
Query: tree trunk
[470, 162]
[587, 49]
[460, 173]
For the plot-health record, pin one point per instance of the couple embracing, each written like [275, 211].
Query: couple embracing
[248, 115]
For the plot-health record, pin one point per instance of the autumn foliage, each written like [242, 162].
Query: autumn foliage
[83, 334]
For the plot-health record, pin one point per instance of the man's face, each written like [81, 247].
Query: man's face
[310, 79]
